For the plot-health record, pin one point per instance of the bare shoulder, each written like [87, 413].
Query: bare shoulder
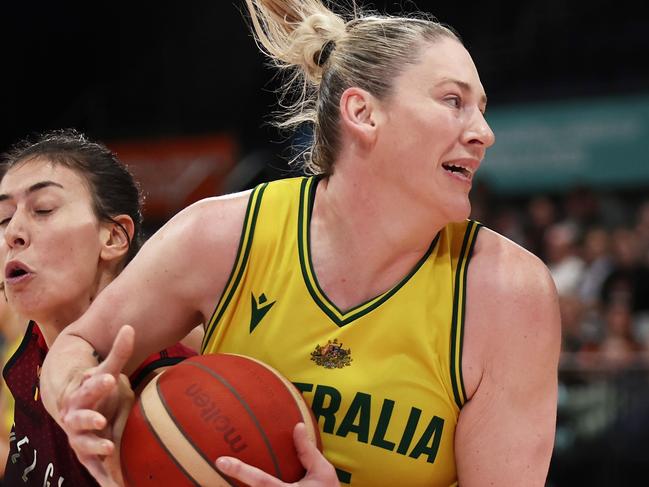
[512, 313]
[507, 270]
[207, 231]
[203, 236]
[217, 219]
[510, 355]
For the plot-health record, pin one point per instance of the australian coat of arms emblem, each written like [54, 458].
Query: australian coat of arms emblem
[332, 355]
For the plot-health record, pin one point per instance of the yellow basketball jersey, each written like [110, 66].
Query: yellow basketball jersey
[384, 378]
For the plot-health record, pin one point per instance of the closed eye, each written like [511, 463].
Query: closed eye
[4, 222]
[42, 212]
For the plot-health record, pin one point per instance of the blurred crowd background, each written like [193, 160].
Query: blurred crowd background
[596, 245]
[180, 92]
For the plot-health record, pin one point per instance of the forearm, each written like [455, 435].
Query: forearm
[65, 364]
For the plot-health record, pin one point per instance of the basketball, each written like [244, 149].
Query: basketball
[209, 406]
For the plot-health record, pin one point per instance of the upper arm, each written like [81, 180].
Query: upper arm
[172, 284]
[505, 431]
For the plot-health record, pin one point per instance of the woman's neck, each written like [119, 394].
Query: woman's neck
[12, 324]
[363, 239]
[361, 210]
[54, 321]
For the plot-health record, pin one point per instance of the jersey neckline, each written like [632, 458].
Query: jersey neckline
[307, 197]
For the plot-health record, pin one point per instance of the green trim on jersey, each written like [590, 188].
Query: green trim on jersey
[459, 313]
[241, 260]
[393, 393]
[307, 196]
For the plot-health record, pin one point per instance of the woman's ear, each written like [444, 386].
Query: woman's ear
[116, 236]
[358, 114]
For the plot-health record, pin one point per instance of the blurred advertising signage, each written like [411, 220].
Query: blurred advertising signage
[555, 146]
[175, 172]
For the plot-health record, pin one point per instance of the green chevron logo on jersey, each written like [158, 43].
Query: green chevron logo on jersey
[259, 310]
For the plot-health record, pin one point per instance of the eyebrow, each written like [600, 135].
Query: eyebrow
[33, 188]
[464, 85]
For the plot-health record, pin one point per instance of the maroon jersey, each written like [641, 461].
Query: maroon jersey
[39, 454]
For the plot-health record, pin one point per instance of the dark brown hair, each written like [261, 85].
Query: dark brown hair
[112, 187]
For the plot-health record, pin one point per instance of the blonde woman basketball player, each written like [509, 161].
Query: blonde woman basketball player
[426, 345]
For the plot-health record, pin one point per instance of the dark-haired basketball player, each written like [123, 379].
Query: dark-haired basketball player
[70, 219]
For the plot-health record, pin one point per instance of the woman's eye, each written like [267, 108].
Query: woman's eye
[42, 212]
[4, 222]
[454, 101]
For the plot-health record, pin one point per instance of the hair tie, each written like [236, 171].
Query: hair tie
[324, 53]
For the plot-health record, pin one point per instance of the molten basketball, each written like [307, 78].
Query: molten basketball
[209, 406]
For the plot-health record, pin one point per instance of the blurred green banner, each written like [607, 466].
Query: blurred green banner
[602, 143]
